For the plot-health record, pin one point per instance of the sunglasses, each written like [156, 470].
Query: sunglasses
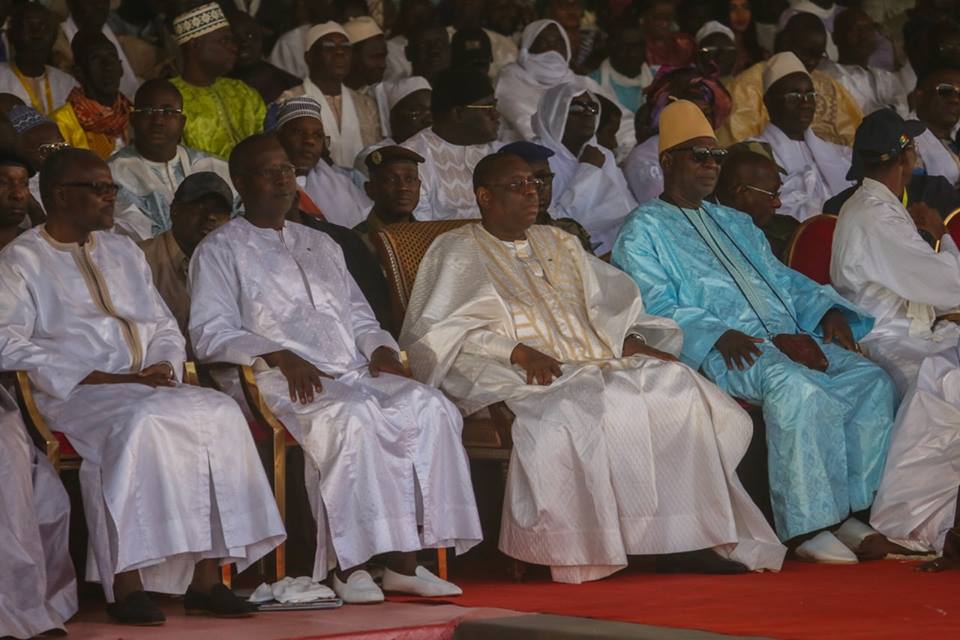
[99, 188]
[947, 90]
[772, 195]
[702, 154]
[165, 112]
[796, 97]
[584, 108]
[518, 186]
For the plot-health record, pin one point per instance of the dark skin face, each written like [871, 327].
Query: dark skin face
[304, 141]
[658, 20]
[395, 190]
[429, 53]
[581, 126]
[856, 37]
[412, 14]
[215, 53]
[192, 221]
[248, 37]
[32, 32]
[267, 192]
[476, 126]
[541, 169]
[502, 16]
[157, 135]
[77, 211]
[550, 39]
[609, 124]
[370, 60]
[99, 71]
[468, 13]
[628, 51]
[33, 139]
[14, 195]
[411, 115]
[566, 12]
[761, 174]
[717, 54]
[329, 59]
[89, 13]
[939, 113]
[810, 45]
[506, 213]
[792, 116]
[686, 181]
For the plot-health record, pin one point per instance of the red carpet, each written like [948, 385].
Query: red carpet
[874, 600]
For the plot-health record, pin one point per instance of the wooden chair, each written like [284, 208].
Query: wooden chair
[811, 247]
[952, 223]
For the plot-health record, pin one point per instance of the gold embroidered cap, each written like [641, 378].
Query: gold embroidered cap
[198, 22]
[682, 120]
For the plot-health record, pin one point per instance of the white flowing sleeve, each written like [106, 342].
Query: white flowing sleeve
[216, 324]
[53, 372]
[489, 344]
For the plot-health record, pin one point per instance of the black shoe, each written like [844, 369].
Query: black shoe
[220, 602]
[136, 609]
[702, 561]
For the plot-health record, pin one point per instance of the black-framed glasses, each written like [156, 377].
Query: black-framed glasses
[797, 97]
[519, 185]
[275, 172]
[166, 112]
[584, 108]
[772, 195]
[485, 107]
[947, 90]
[702, 154]
[99, 188]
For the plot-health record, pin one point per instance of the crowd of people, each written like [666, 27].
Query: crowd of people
[187, 180]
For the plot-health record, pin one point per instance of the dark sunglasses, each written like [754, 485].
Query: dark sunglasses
[947, 90]
[582, 108]
[702, 154]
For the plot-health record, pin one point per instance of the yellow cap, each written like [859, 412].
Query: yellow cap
[682, 120]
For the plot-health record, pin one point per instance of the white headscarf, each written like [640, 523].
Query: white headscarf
[599, 199]
[521, 83]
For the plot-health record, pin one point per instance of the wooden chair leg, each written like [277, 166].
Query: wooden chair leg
[442, 563]
[280, 493]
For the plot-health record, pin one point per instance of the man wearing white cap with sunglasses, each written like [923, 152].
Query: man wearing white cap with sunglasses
[816, 169]
[350, 119]
[768, 335]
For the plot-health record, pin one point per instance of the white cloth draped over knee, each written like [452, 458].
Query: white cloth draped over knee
[38, 588]
[619, 456]
[596, 197]
[385, 452]
[169, 475]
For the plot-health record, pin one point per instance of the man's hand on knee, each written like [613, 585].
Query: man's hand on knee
[837, 330]
[738, 349]
[541, 368]
[303, 378]
[385, 360]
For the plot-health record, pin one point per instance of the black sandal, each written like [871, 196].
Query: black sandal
[137, 609]
[220, 602]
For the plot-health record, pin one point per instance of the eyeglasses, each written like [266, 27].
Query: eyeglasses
[702, 154]
[796, 97]
[329, 46]
[99, 188]
[46, 150]
[276, 172]
[518, 186]
[772, 195]
[712, 51]
[947, 90]
[545, 177]
[584, 108]
[165, 112]
[493, 105]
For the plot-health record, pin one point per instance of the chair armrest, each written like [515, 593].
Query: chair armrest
[190, 375]
[36, 424]
[251, 393]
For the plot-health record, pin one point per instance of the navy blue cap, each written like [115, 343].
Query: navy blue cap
[882, 136]
[529, 151]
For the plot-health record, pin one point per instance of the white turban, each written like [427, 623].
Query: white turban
[782, 65]
[397, 91]
[318, 31]
[362, 28]
[713, 27]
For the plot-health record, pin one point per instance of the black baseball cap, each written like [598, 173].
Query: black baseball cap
[882, 136]
[204, 183]
[12, 157]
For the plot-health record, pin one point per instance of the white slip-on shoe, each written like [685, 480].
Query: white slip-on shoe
[853, 532]
[423, 584]
[358, 589]
[825, 548]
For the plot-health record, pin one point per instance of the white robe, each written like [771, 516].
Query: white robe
[289, 51]
[61, 84]
[816, 171]
[38, 588]
[596, 197]
[170, 476]
[446, 176]
[345, 139]
[872, 88]
[129, 82]
[881, 263]
[147, 187]
[620, 456]
[332, 189]
[643, 172]
[385, 453]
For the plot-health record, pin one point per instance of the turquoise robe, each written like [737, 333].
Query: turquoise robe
[827, 432]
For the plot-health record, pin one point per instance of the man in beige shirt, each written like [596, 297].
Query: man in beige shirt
[202, 203]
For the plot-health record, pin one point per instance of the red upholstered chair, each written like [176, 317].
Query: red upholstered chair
[812, 246]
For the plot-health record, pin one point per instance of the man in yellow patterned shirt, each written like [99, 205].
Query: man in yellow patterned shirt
[220, 111]
[837, 115]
